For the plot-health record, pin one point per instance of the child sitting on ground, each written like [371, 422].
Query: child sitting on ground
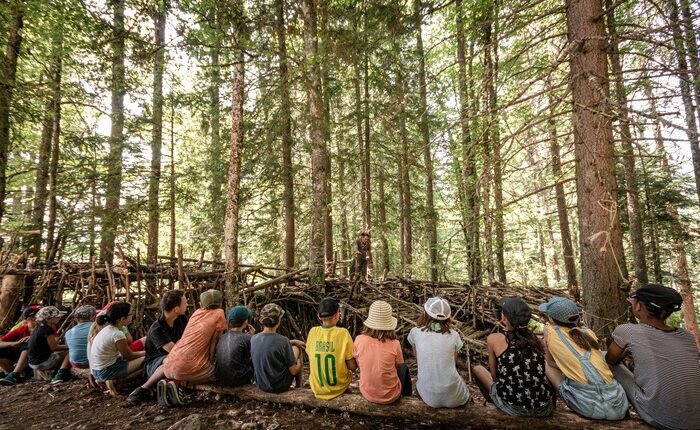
[515, 381]
[576, 367]
[435, 346]
[191, 360]
[277, 361]
[162, 336]
[233, 365]
[330, 353]
[109, 355]
[384, 376]
[45, 353]
[76, 339]
[665, 385]
[14, 355]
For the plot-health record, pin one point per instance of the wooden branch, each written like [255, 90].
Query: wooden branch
[29, 232]
[272, 282]
[412, 408]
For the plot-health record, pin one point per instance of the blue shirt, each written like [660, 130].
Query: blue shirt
[76, 339]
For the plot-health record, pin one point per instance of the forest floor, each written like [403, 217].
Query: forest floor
[73, 405]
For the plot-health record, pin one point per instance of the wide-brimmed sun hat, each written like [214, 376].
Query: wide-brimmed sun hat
[380, 316]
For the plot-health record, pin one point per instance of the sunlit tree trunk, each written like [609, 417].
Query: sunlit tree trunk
[55, 155]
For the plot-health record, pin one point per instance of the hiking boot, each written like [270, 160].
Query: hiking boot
[161, 393]
[174, 394]
[63, 375]
[11, 379]
[139, 395]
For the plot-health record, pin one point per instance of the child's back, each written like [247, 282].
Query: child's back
[328, 349]
[272, 355]
[190, 355]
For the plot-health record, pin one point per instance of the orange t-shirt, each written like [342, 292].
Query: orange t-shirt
[190, 355]
[379, 382]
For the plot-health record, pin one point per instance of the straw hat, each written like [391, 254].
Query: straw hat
[380, 317]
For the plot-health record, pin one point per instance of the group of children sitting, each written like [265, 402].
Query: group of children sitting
[524, 372]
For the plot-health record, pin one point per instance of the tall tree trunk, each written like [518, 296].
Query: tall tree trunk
[544, 279]
[173, 182]
[599, 226]
[366, 184]
[111, 216]
[634, 209]
[486, 141]
[287, 144]
[431, 219]
[51, 242]
[685, 84]
[159, 20]
[562, 212]
[8, 72]
[234, 167]
[319, 175]
[217, 151]
[659, 144]
[404, 179]
[324, 51]
[381, 214]
[693, 52]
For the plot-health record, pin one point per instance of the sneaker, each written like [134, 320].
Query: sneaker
[161, 393]
[139, 395]
[174, 393]
[63, 375]
[11, 379]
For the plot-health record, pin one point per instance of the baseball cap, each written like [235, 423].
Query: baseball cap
[271, 311]
[516, 310]
[328, 307]
[106, 307]
[658, 296]
[211, 298]
[48, 312]
[30, 311]
[438, 308]
[560, 309]
[237, 314]
[84, 312]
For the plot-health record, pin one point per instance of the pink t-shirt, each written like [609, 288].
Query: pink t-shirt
[379, 382]
[190, 355]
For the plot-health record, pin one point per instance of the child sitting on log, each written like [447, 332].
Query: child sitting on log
[277, 361]
[576, 367]
[162, 336]
[435, 346]
[665, 385]
[13, 347]
[330, 353]
[233, 365]
[134, 345]
[191, 360]
[515, 381]
[384, 376]
[46, 354]
[109, 354]
[77, 339]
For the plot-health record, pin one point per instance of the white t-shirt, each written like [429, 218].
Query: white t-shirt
[438, 383]
[103, 352]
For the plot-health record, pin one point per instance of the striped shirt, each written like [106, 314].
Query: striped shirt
[667, 371]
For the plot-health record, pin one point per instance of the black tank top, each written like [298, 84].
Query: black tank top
[521, 379]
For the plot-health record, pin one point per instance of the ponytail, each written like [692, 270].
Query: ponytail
[581, 338]
[101, 319]
[525, 340]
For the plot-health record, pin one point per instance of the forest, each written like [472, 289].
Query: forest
[537, 143]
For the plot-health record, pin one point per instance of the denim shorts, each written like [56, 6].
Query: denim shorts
[118, 370]
[518, 411]
[150, 368]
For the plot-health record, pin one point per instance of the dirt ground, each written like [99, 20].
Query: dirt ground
[73, 405]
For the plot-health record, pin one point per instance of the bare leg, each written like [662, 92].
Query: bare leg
[65, 364]
[554, 375]
[22, 362]
[299, 377]
[153, 380]
[484, 380]
[134, 368]
[5, 365]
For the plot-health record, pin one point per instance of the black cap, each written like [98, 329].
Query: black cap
[328, 307]
[658, 296]
[516, 310]
[30, 311]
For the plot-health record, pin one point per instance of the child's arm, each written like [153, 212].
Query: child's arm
[615, 354]
[493, 369]
[54, 345]
[351, 364]
[547, 355]
[126, 352]
[212, 346]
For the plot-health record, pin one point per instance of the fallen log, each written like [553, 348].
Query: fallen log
[413, 409]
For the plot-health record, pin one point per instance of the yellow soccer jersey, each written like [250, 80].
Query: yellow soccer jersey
[328, 348]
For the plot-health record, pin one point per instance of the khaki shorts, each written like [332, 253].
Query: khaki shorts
[51, 363]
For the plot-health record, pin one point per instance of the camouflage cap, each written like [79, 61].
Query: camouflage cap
[84, 312]
[272, 311]
[211, 298]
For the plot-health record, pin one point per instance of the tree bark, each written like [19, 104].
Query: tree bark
[51, 242]
[599, 226]
[287, 144]
[685, 84]
[8, 72]
[319, 175]
[159, 20]
[234, 167]
[659, 145]
[431, 218]
[693, 52]
[634, 208]
[381, 215]
[324, 54]
[404, 178]
[562, 212]
[366, 169]
[10, 289]
[217, 151]
[111, 215]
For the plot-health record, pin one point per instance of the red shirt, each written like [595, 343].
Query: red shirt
[17, 334]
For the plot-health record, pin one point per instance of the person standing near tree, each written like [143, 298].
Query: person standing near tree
[363, 256]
